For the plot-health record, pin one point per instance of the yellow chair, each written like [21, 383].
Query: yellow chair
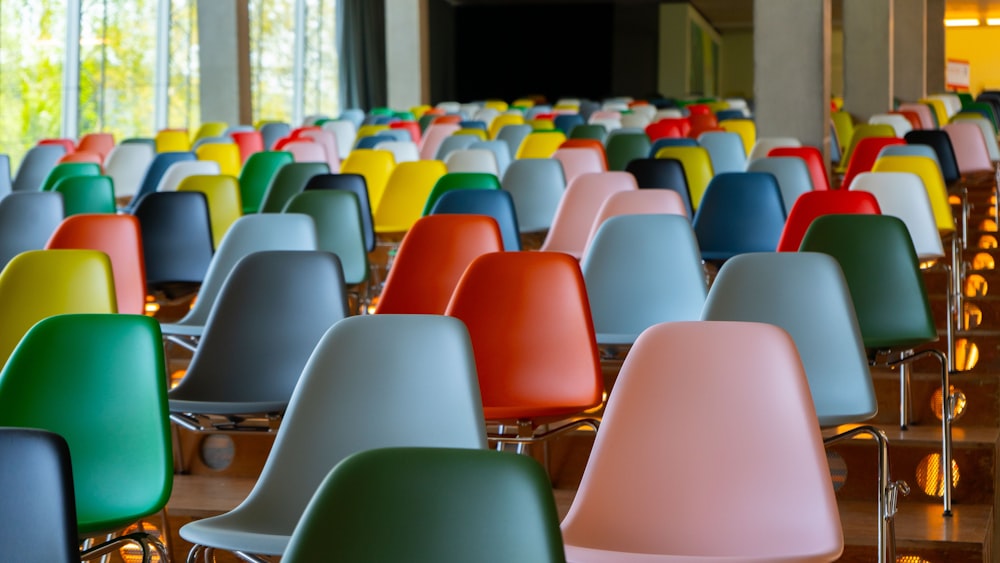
[745, 128]
[540, 144]
[541, 124]
[938, 108]
[172, 140]
[226, 154]
[843, 125]
[41, 283]
[478, 133]
[863, 131]
[504, 119]
[524, 103]
[210, 129]
[369, 130]
[406, 193]
[420, 110]
[930, 173]
[697, 167]
[222, 192]
[375, 165]
[498, 105]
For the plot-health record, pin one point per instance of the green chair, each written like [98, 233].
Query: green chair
[433, 504]
[589, 131]
[98, 381]
[86, 194]
[882, 270]
[65, 169]
[460, 181]
[256, 174]
[339, 230]
[289, 180]
[622, 148]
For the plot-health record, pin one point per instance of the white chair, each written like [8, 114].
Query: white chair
[180, 170]
[126, 164]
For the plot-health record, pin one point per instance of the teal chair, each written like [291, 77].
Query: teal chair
[257, 173]
[439, 505]
[98, 381]
[86, 194]
[339, 228]
[807, 295]
[882, 270]
[460, 181]
[60, 171]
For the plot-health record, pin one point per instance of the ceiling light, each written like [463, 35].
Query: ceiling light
[965, 22]
[992, 21]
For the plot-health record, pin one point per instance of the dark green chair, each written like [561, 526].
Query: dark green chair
[441, 505]
[882, 270]
[257, 173]
[98, 380]
[589, 131]
[460, 181]
[289, 180]
[622, 148]
[86, 194]
[65, 169]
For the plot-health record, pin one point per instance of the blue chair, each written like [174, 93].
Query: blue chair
[671, 142]
[725, 149]
[513, 135]
[537, 186]
[473, 124]
[496, 203]
[662, 173]
[370, 141]
[567, 121]
[641, 270]
[729, 114]
[740, 212]
[35, 167]
[157, 168]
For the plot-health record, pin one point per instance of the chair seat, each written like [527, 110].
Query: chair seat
[231, 532]
[181, 329]
[510, 414]
[226, 407]
[575, 554]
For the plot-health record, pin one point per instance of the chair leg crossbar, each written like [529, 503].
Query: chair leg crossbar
[145, 541]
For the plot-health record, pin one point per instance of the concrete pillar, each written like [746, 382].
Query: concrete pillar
[910, 49]
[792, 70]
[868, 57]
[407, 53]
[224, 56]
[935, 47]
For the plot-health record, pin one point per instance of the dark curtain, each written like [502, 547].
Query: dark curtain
[361, 37]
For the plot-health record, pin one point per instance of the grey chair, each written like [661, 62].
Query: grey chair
[272, 310]
[537, 186]
[500, 149]
[6, 185]
[353, 396]
[35, 167]
[248, 234]
[454, 143]
[513, 135]
[290, 179]
[27, 220]
[272, 131]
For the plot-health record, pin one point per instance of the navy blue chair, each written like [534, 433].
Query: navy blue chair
[662, 173]
[938, 140]
[176, 239]
[567, 121]
[740, 212]
[495, 203]
[370, 141]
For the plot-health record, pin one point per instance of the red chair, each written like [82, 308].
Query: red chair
[701, 123]
[249, 142]
[699, 109]
[814, 162]
[452, 118]
[864, 155]
[119, 237]
[412, 126]
[662, 129]
[432, 257]
[682, 124]
[810, 205]
[100, 143]
[534, 342]
[298, 131]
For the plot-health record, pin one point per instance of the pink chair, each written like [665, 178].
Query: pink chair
[328, 141]
[577, 161]
[922, 111]
[970, 147]
[305, 150]
[433, 137]
[659, 488]
[638, 202]
[578, 208]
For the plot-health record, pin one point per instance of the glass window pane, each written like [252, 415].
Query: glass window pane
[322, 80]
[183, 95]
[272, 58]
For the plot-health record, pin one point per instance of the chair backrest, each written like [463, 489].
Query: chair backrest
[939, 140]
[339, 228]
[624, 503]
[453, 142]
[176, 236]
[791, 173]
[578, 208]
[624, 148]
[425, 496]
[66, 169]
[513, 135]
[356, 184]
[784, 289]
[697, 166]
[579, 160]
[530, 325]
[662, 173]
[6, 184]
[431, 259]
[289, 180]
[763, 145]
[864, 154]
[472, 160]
[989, 132]
[272, 131]
[226, 155]
[537, 186]
[500, 150]
[430, 377]
[969, 144]
[725, 149]
[35, 167]
[902, 194]
[154, 173]
[883, 273]
[406, 194]
[741, 212]
[222, 194]
[27, 220]
[497, 204]
[928, 170]
[813, 204]
[375, 165]
[126, 165]
[249, 143]
[117, 236]
[86, 194]
[295, 296]
[328, 141]
[899, 124]
[432, 138]
[38, 516]
[256, 174]
[178, 171]
[927, 121]
[813, 159]
[77, 392]
[459, 181]
[402, 151]
[641, 270]
[745, 128]
[595, 131]
[100, 143]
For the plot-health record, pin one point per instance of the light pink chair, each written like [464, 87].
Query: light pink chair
[578, 208]
[970, 147]
[305, 150]
[923, 111]
[576, 161]
[433, 136]
[638, 202]
[328, 140]
[747, 482]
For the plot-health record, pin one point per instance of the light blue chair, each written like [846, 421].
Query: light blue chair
[725, 149]
[537, 186]
[513, 135]
[500, 149]
[791, 172]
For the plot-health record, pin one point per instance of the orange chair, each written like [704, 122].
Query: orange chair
[119, 237]
[810, 205]
[432, 257]
[534, 342]
[249, 142]
[82, 156]
[814, 162]
[865, 154]
[100, 143]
